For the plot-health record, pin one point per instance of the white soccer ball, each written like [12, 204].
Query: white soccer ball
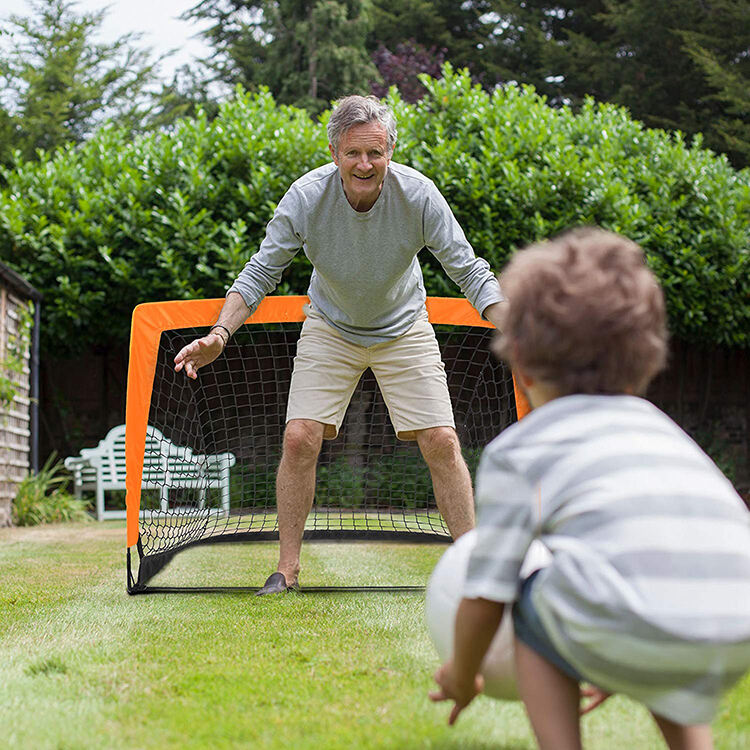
[445, 591]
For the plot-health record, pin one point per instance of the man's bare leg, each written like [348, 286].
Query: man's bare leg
[683, 737]
[551, 699]
[450, 477]
[295, 490]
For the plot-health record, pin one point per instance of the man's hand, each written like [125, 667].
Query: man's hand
[199, 353]
[596, 697]
[452, 690]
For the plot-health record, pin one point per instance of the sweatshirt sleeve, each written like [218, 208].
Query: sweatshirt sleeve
[446, 241]
[285, 235]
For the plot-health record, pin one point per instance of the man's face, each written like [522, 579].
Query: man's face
[362, 159]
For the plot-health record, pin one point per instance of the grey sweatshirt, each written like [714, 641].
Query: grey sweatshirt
[366, 281]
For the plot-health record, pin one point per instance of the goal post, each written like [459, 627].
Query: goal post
[201, 455]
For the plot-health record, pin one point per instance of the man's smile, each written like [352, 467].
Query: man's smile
[362, 157]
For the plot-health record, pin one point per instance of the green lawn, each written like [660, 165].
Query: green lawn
[83, 665]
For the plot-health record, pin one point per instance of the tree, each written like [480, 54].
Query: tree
[402, 67]
[8, 136]
[188, 94]
[60, 84]
[464, 30]
[307, 52]
[731, 82]
[674, 64]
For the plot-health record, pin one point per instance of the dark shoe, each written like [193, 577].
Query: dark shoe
[276, 584]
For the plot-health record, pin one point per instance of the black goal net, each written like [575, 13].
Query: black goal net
[213, 447]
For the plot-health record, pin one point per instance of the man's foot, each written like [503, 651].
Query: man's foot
[276, 584]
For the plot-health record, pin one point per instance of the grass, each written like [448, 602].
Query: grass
[83, 665]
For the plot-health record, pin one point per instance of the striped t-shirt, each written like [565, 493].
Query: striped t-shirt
[648, 591]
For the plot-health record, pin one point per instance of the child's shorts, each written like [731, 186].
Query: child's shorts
[529, 629]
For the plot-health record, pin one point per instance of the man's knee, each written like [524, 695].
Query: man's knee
[439, 445]
[302, 441]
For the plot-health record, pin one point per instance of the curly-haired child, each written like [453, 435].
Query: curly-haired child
[648, 591]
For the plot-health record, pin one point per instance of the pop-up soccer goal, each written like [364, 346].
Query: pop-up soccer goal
[229, 424]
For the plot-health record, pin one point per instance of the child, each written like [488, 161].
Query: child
[648, 591]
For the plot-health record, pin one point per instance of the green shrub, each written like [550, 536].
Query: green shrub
[254, 484]
[115, 222]
[515, 171]
[43, 498]
[719, 450]
[401, 478]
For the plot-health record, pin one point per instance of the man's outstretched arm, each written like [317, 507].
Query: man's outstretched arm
[205, 350]
[494, 313]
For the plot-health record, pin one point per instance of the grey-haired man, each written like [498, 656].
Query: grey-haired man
[361, 221]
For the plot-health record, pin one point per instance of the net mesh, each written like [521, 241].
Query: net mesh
[213, 446]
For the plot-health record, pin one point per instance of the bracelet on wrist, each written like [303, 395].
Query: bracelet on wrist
[223, 340]
[213, 329]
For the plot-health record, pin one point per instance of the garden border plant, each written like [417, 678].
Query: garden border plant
[44, 498]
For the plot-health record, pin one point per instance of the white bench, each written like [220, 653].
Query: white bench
[166, 467]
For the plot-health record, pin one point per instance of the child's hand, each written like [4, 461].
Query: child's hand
[461, 692]
[597, 697]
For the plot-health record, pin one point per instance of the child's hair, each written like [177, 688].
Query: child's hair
[584, 314]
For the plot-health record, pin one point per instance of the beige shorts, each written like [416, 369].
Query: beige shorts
[409, 371]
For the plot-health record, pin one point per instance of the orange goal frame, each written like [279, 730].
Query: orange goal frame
[151, 319]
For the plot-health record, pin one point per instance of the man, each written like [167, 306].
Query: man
[361, 221]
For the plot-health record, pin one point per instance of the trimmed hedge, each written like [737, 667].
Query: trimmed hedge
[103, 227]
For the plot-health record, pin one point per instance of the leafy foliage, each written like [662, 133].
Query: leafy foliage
[548, 169]
[307, 52]
[402, 66]
[678, 64]
[351, 484]
[13, 359]
[176, 215]
[731, 129]
[43, 498]
[465, 31]
[59, 83]
[165, 216]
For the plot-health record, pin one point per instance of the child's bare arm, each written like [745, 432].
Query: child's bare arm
[477, 621]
